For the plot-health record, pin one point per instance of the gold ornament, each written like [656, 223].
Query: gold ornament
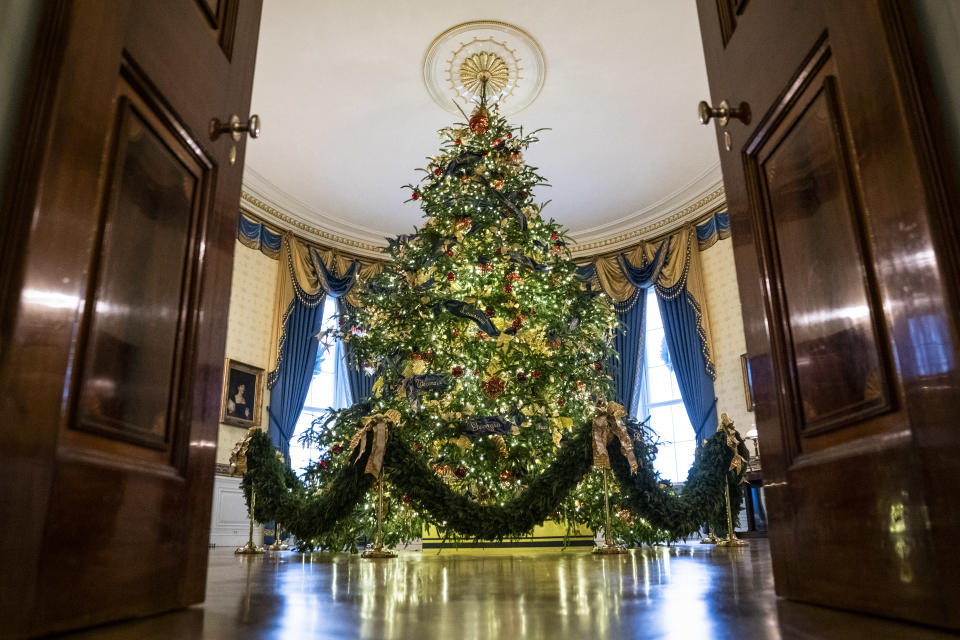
[501, 446]
[480, 121]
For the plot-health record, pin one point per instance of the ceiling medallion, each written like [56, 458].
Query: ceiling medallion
[461, 58]
[483, 68]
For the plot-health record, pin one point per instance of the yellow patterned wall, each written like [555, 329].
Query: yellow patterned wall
[249, 326]
[726, 325]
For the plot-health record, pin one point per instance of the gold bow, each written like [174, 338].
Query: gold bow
[606, 426]
[378, 425]
[730, 432]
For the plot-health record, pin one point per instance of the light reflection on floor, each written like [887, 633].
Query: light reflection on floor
[686, 591]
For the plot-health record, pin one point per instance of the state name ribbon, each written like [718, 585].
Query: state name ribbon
[606, 427]
[378, 425]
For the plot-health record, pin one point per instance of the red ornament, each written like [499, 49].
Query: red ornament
[537, 374]
[516, 324]
[437, 172]
[406, 499]
[323, 464]
[449, 253]
[451, 275]
[505, 474]
[416, 195]
[508, 288]
[493, 387]
[461, 472]
[417, 447]
[337, 449]
[496, 142]
[597, 366]
[554, 236]
[457, 371]
[458, 142]
[509, 135]
[456, 334]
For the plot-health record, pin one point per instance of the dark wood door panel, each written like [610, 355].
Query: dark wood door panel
[825, 317]
[112, 371]
[135, 343]
[850, 300]
[96, 568]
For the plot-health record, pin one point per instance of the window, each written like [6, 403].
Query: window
[328, 389]
[660, 399]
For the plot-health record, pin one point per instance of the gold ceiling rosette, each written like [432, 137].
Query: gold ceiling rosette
[482, 68]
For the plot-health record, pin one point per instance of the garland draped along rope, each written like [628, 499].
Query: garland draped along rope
[309, 513]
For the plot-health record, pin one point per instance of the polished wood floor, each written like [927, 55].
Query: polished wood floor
[685, 592]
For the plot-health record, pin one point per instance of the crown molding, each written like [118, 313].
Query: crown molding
[661, 218]
[708, 202]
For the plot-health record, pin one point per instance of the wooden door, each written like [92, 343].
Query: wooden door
[846, 258]
[119, 226]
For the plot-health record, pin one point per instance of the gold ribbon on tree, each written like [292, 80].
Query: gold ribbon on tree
[378, 425]
[606, 427]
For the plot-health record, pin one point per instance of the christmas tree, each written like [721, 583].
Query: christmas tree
[481, 337]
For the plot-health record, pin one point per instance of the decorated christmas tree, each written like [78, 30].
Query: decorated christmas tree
[492, 397]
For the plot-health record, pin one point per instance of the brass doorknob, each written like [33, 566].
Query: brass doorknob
[723, 113]
[235, 128]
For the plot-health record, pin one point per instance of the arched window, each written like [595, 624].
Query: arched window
[660, 399]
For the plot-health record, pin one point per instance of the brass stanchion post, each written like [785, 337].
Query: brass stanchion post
[610, 546]
[731, 540]
[378, 550]
[250, 548]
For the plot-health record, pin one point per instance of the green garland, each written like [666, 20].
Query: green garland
[283, 498]
[678, 514]
[456, 512]
[309, 514]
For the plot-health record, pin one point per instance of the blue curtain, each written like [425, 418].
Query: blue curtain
[290, 381]
[685, 344]
[628, 342]
[628, 338]
[361, 385]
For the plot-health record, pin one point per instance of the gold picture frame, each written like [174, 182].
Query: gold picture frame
[747, 380]
[240, 402]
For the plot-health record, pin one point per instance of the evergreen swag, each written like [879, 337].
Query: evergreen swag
[311, 515]
[495, 354]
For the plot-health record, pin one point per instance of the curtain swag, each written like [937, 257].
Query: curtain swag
[256, 235]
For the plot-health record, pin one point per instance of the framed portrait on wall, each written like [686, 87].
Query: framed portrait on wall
[242, 394]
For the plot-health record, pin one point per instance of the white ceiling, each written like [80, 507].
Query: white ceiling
[347, 118]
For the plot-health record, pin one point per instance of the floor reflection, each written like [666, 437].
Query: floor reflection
[685, 591]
